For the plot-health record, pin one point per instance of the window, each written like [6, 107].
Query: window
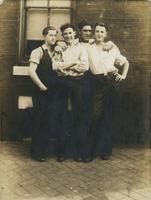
[35, 15]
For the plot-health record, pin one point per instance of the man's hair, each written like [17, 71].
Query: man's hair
[101, 24]
[65, 26]
[83, 23]
[47, 29]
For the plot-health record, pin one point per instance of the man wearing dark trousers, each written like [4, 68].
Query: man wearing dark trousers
[102, 63]
[72, 80]
[47, 96]
[85, 36]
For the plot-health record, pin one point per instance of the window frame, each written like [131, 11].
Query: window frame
[22, 57]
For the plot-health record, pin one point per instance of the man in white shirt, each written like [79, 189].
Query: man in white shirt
[102, 63]
[72, 79]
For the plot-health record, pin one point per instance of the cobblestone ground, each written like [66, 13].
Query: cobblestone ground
[126, 176]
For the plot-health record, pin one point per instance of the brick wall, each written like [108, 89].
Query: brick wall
[130, 28]
[8, 51]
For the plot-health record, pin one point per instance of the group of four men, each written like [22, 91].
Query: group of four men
[78, 70]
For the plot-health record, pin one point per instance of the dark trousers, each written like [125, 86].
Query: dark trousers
[101, 123]
[61, 120]
[79, 132]
[48, 121]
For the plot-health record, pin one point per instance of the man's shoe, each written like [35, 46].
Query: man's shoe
[77, 159]
[61, 158]
[86, 160]
[80, 159]
[40, 159]
[43, 159]
[105, 156]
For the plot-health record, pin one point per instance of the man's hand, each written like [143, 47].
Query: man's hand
[43, 88]
[58, 49]
[81, 67]
[119, 78]
[108, 46]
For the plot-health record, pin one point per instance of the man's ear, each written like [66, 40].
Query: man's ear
[75, 33]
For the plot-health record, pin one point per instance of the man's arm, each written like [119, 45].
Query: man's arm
[120, 77]
[34, 76]
[109, 45]
[57, 65]
[83, 61]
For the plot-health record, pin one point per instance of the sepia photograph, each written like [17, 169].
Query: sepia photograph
[75, 103]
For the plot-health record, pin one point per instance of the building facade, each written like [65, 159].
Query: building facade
[129, 21]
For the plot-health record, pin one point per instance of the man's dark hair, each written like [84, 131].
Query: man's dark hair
[83, 23]
[101, 24]
[47, 29]
[65, 26]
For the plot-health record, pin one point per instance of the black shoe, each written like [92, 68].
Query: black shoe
[80, 159]
[61, 158]
[86, 160]
[77, 159]
[40, 159]
[105, 156]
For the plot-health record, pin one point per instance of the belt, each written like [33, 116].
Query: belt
[74, 77]
[100, 75]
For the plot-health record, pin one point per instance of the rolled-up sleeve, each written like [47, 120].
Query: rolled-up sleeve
[120, 59]
[35, 56]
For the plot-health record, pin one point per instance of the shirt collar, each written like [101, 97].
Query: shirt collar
[44, 47]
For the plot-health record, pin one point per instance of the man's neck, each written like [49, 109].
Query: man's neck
[75, 41]
[70, 44]
[83, 41]
[49, 47]
[99, 43]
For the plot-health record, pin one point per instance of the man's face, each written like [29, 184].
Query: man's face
[69, 35]
[100, 33]
[86, 33]
[51, 37]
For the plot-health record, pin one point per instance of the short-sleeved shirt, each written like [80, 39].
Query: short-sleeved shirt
[37, 54]
[42, 57]
[103, 61]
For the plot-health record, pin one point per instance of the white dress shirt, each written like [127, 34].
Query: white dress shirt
[74, 53]
[103, 61]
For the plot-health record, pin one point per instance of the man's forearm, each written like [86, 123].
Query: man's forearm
[82, 66]
[68, 65]
[125, 69]
[36, 80]
[63, 65]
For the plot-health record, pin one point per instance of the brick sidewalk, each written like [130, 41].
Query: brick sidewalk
[126, 176]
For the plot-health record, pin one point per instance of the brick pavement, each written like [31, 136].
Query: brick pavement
[126, 176]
